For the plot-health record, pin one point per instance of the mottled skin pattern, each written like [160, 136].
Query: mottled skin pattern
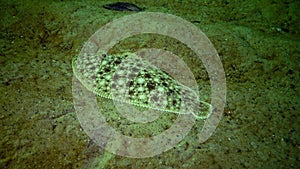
[128, 78]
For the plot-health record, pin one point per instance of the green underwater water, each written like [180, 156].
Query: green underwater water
[258, 43]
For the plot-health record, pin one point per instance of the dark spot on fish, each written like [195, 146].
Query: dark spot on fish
[174, 102]
[107, 69]
[129, 84]
[122, 6]
[150, 86]
[118, 61]
[131, 92]
[165, 84]
[147, 75]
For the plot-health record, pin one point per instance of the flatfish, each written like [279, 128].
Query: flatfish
[131, 79]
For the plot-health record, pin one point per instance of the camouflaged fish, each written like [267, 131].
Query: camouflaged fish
[130, 79]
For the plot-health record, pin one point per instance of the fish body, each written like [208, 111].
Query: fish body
[130, 79]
